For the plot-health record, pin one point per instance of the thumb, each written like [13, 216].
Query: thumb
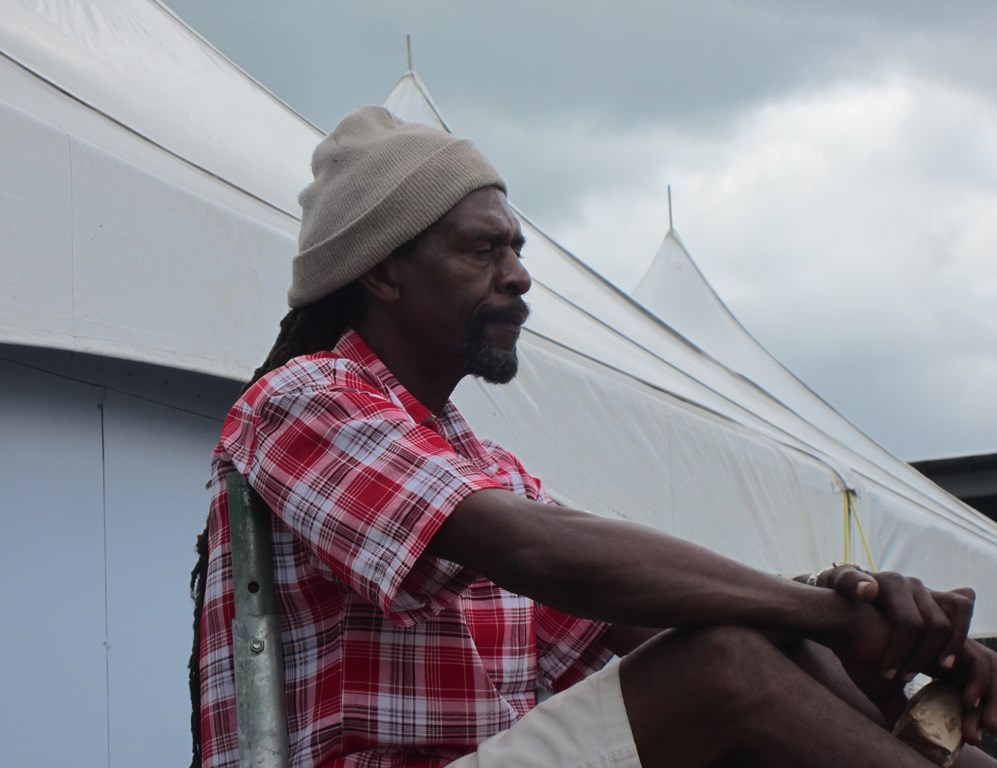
[867, 588]
[966, 592]
[856, 584]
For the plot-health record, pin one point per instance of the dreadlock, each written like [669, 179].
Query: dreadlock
[311, 328]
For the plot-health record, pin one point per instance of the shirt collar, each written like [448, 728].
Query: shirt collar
[352, 346]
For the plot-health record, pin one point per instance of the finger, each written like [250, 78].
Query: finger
[987, 672]
[907, 625]
[975, 686]
[988, 716]
[979, 672]
[971, 726]
[935, 635]
[971, 701]
[958, 606]
[968, 592]
[853, 583]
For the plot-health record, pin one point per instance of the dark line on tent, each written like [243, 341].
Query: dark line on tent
[151, 142]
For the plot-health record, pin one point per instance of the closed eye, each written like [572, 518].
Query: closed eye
[489, 246]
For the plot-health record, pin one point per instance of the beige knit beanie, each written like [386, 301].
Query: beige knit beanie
[379, 182]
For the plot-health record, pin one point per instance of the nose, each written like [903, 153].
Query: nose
[512, 276]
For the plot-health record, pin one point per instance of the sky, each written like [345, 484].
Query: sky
[833, 165]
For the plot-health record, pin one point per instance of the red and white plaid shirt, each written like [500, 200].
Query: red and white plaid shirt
[392, 657]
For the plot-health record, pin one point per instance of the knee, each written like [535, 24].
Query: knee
[733, 644]
[718, 668]
[679, 686]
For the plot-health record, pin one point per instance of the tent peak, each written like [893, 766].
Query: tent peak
[671, 226]
[410, 100]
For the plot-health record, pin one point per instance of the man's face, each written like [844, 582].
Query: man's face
[462, 287]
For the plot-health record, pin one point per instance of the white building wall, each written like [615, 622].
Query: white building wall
[103, 465]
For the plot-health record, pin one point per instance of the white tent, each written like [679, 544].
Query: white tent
[670, 413]
[147, 211]
[147, 215]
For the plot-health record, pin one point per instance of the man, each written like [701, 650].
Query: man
[426, 585]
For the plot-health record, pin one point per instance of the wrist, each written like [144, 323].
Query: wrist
[819, 578]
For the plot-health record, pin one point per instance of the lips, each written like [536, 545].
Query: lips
[514, 315]
[507, 325]
[507, 329]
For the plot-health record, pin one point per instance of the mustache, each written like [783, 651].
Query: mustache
[515, 312]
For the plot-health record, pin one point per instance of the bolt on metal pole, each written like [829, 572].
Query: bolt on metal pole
[259, 655]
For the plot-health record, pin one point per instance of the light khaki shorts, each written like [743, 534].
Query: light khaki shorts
[585, 726]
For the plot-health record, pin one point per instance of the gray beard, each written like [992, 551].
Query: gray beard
[481, 360]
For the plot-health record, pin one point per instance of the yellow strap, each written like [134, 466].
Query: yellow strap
[848, 525]
[850, 513]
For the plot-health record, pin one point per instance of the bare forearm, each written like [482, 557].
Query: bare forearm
[627, 574]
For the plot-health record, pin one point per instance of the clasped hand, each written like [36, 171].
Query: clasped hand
[926, 631]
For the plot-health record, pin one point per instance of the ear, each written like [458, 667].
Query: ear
[380, 282]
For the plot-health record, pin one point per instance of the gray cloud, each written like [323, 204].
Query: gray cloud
[621, 62]
[834, 164]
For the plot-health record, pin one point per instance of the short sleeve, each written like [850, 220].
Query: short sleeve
[568, 648]
[363, 486]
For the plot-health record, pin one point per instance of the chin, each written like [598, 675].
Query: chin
[483, 361]
[497, 377]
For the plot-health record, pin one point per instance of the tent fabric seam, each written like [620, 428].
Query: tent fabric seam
[148, 140]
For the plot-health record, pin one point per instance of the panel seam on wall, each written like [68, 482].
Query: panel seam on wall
[107, 636]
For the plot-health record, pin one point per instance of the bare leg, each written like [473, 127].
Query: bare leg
[866, 691]
[879, 700]
[971, 757]
[728, 695]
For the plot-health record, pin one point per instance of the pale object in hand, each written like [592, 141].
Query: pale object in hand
[932, 723]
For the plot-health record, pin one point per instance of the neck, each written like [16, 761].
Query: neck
[421, 374]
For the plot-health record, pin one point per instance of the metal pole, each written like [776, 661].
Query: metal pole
[259, 655]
